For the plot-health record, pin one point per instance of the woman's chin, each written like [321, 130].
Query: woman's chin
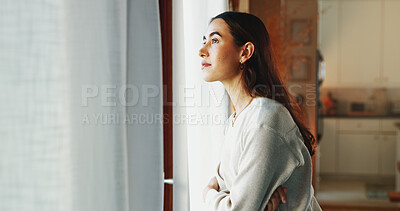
[209, 75]
[207, 78]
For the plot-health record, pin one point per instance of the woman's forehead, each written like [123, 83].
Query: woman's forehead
[218, 25]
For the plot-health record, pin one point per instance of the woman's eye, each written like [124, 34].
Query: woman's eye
[212, 41]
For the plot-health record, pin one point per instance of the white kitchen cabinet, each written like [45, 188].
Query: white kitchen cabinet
[388, 125]
[358, 146]
[358, 154]
[391, 42]
[328, 39]
[360, 42]
[388, 155]
[327, 153]
[360, 37]
[359, 124]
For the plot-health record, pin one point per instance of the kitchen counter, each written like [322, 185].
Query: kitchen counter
[392, 116]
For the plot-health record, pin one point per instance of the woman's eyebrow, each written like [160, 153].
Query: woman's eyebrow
[211, 34]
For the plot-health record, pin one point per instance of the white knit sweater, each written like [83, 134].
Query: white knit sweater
[264, 149]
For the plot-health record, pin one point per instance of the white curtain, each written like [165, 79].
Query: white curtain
[80, 105]
[201, 109]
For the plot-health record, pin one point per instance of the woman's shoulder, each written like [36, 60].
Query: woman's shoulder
[268, 117]
[266, 112]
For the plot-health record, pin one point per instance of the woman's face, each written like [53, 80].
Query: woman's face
[220, 54]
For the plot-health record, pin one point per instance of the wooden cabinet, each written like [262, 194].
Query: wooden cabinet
[359, 42]
[358, 147]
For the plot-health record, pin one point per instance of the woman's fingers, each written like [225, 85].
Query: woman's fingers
[213, 183]
[273, 202]
[205, 190]
[282, 193]
[275, 199]
[269, 206]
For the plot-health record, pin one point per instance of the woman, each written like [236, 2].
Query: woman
[266, 144]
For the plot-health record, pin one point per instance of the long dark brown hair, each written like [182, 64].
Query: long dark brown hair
[260, 76]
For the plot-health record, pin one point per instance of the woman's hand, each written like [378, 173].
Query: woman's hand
[213, 184]
[277, 197]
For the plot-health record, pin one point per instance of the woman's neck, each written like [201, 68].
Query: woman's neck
[238, 94]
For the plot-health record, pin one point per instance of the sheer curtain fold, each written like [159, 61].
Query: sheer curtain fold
[205, 106]
[145, 151]
[97, 69]
[76, 76]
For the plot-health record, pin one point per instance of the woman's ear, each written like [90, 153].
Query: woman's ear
[246, 52]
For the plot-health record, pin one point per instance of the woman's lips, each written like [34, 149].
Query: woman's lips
[205, 64]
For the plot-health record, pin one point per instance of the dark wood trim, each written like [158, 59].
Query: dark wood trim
[165, 7]
[234, 5]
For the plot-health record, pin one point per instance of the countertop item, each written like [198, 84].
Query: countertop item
[395, 107]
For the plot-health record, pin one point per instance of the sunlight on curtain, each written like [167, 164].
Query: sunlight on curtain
[202, 107]
[34, 127]
[77, 78]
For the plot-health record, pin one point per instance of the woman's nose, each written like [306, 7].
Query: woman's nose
[202, 52]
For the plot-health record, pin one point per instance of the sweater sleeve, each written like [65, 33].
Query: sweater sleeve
[266, 161]
[221, 181]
